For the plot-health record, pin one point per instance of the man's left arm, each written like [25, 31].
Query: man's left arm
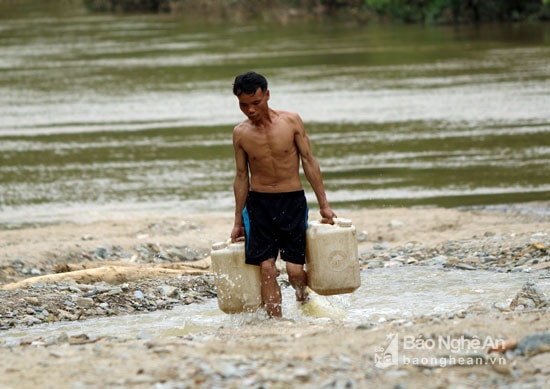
[312, 170]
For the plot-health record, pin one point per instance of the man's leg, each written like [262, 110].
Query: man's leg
[271, 293]
[298, 279]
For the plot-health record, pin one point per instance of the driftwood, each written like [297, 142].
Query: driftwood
[203, 264]
[114, 273]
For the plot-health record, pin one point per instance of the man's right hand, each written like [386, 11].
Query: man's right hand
[238, 232]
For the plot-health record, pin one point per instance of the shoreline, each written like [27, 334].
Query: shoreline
[18, 218]
[270, 353]
[385, 237]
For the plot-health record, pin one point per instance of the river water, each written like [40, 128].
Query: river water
[112, 114]
[107, 115]
[412, 292]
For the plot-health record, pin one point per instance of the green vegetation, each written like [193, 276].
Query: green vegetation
[410, 11]
[436, 11]
[127, 5]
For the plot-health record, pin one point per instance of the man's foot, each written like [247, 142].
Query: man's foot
[302, 296]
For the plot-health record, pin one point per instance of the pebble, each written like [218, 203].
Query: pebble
[500, 253]
[67, 302]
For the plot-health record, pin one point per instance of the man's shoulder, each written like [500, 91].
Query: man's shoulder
[242, 126]
[291, 119]
[288, 114]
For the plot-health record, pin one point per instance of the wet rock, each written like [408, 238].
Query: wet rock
[57, 339]
[464, 266]
[362, 236]
[534, 344]
[438, 260]
[65, 315]
[32, 300]
[382, 246]
[393, 264]
[530, 296]
[30, 320]
[79, 339]
[84, 302]
[396, 223]
[35, 272]
[302, 374]
[500, 253]
[102, 252]
[373, 264]
[69, 302]
[365, 326]
[167, 290]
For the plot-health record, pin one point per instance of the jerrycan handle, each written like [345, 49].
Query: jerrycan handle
[339, 221]
[342, 222]
[226, 243]
[219, 246]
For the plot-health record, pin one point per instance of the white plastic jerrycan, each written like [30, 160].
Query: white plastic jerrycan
[332, 259]
[238, 284]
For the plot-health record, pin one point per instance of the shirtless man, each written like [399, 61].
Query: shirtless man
[270, 205]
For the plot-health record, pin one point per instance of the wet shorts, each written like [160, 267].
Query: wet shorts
[275, 222]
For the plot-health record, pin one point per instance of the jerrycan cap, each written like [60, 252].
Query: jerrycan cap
[219, 245]
[344, 222]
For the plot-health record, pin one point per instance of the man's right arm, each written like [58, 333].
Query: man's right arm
[241, 185]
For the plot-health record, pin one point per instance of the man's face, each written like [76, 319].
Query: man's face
[254, 106]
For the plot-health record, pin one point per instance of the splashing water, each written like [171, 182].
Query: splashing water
[385, 294]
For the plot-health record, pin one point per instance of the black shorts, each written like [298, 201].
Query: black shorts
[273, 222]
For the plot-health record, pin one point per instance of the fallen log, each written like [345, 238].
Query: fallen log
[113, 275]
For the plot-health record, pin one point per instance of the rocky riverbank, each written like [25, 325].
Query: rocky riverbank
[65, 301]
[271, 353]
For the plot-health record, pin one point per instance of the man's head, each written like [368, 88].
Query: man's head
[253, 95]
[249, 83]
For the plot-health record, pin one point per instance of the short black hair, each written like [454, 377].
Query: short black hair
[249, 83]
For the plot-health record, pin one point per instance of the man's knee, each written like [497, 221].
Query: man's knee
[268, 269]
[295, 271]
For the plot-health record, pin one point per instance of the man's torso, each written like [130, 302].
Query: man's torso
[273, 156]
